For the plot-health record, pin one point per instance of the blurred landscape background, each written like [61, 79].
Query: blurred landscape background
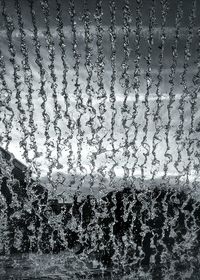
[105, 89]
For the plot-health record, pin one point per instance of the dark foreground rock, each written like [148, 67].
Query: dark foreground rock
[125, 229]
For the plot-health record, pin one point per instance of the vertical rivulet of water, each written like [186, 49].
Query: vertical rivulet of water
[62, 46]
[136, 81]
[172, 95]
[192, 95]
[42, 91]
[187, 55]
[7, 204]
[80, 107]
[28, 79]
[125, 83]
[8, 112]
[101, 93]
[4, 238]
[17, 83]
[194, 108]
[157, 114]
[185, 94]
[65, 91]
[165, 227]
[113, 37]
[112, 226]
[89, 88]
[57, 110]
[148, 77]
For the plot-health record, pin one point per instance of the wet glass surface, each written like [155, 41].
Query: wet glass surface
[99, 139]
